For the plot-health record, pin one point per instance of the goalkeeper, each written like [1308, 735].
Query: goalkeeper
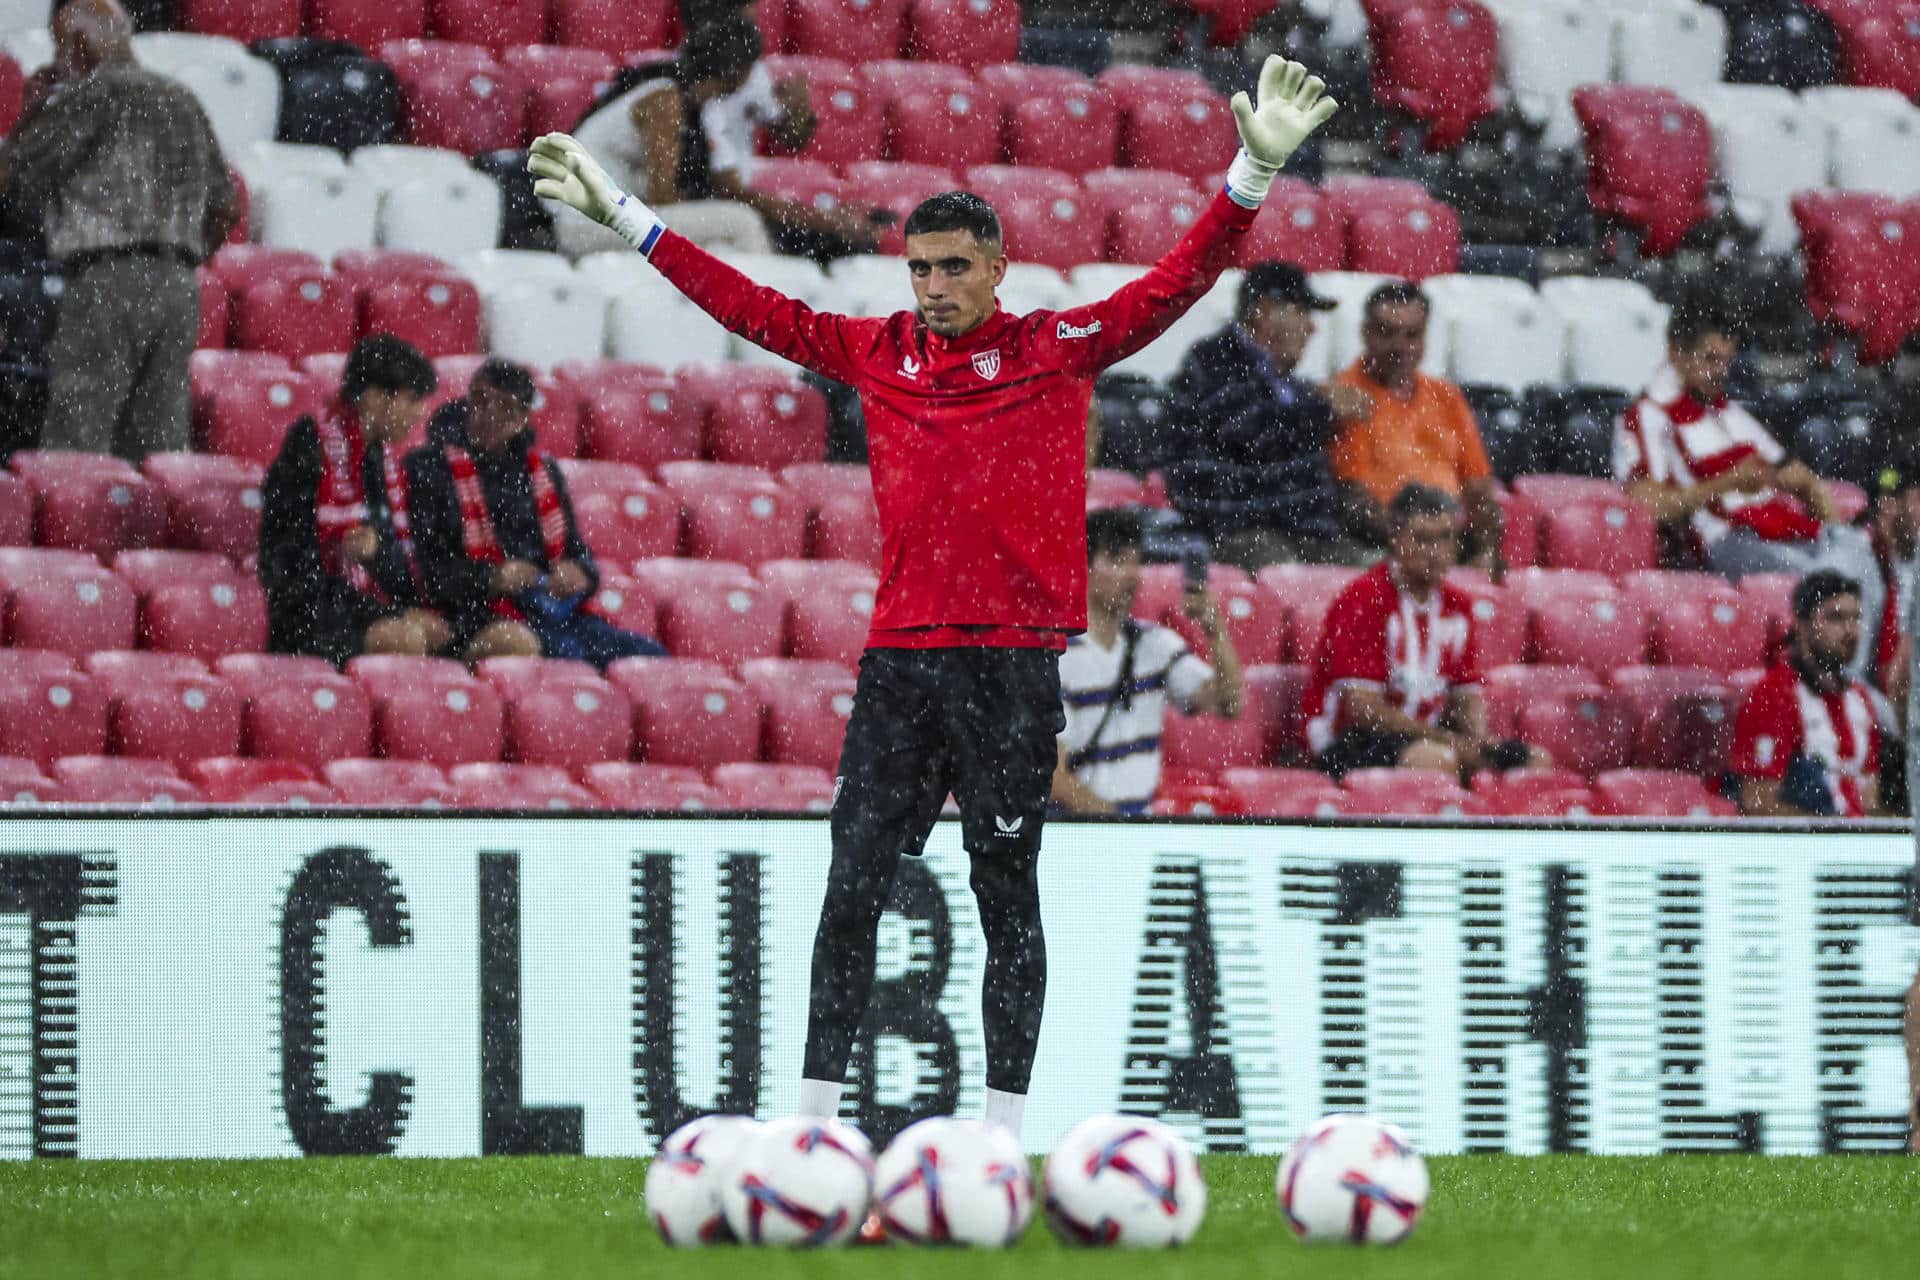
[976, 423]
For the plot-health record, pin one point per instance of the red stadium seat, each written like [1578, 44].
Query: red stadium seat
[1614, 536]
[1714, 629]
[213, 503]
[1179, 799]
[1519, 784]
[1573, 803]
[166, 706]
[215, 310]
[517, 786]
[1229, 22]
[1108, 488]
[1284, 793]
[625, 604]
[561, 82]
[1499, 624]
[1438, 62]
[232, 779]
[367, 23]
[651, 787]
[497, 24]
[632, 413]
[1256, 618]
[455, 96]
[1649, 161]
[387, 784]
[807, 705]
[619, 27]
[1879, 42]
[1041, 213]
[1274, 692]
[934, 114]
[828, 606]
[119, 780]
[898, 188]
[1657, 793]
[90, 502]
[1412, 241]
[758, 416]
[294, 313]
[1171, 120]
[688, 713]
[1306, 592]
[809, 182]
[1146, 228]
[1510, 688]
[440, 315]
[16, 512]
[971, 33]
[1206, 744]
[1069, 124]
[67, 607]
[721, 621]
[1295, 224]
[565, 717]
[856, 30]
[1769, 597]
[299, 708]
[622, 515]
[242, 20]
[842, 521]
[1586, 731]
[1549, 491]
[431, 709]
[1532, 585]
[850, 126]
[1109, 192]
[47, 709]
[1520, 541]
[1682, 717]
[208, 615]
[735, 513]
[22, 781]
[1403, 793]
[1862, 275]
[238, 266]
[775, 788]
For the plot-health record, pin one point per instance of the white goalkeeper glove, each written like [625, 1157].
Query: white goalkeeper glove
[1291, 107]
[567, 172]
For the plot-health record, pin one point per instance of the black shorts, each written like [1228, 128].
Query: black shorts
[1363, 749]
[982, 723]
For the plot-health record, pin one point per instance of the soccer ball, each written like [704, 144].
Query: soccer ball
[947, 1181]
[1123, 1180]
[1351, 1177]
[683, 1182]
[803, 1181]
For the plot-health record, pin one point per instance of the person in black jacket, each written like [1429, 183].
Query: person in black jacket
[336, 552]
[1250, 447]
[499, 548]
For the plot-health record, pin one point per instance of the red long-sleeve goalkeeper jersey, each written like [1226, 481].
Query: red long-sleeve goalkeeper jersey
[977, 444]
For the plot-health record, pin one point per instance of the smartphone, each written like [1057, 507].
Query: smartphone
[1196, 572]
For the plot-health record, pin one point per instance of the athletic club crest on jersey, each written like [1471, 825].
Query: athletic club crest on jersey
[987, 363]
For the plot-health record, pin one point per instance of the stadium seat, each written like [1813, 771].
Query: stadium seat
[1674, 46]
[239, 266]
[622, 515]
[1066, 123]
[48, 709]
[828, 606]
[497, 24]
[16, 512]
[1190, 799]
[118, 780]
[1171, 119]
[542, 322]
[207, 615]
[1206, 744]
[1256, 619]
[1616, 330]
[439, 315]
[1284, 793]
[321, 215]
[166, 706]
[445, 213]
[850, 126]
[237, 781]
[1769, 598]
[565, 717]
[854, 30]
[688, 713]
[1151, 225]
[775, 788]
[618, 27]
[625, 604]
[1108, 192]
[561, 82]
[1499, 625]
[1041, 214]
[431, 709]
[241, 96]
[1649, 160]
[1766, 149]
[22, 782]
[1437, 62]
[1682, 717]
[370, 24]
[1306, 592]
[387, 784]
[651, 787]
[68, 607]
[449, 99]
[843, 522]
[215, 311]
[1498, 331]
[517, 786]
[807, 705]
[1657, 793]
[759, 417]
[1403, 793]
[1597, 631]
[293, 313]
[1512, 687]
[90, 502]
[1710, 628]
[1517, 785]
[1870, 133]
[735, 513]
[934, 114]
[898, 188]
[659, 327]
[242, 20]
[1585, 729]
[332, 95]
[1295, 224]
[299, 708]
[718, 620]
[1861, 272]
[1410, 241]
[1549, 51]
[970, 33]
[1879, 43]
[632, 413]
[1614, 536]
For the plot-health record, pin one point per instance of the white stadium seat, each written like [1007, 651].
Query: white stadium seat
[1342, 326]
[1093, 281]
[1549, 51]
[546, 322]
[170, 52]
[241, 97]
[445, 214]
[794, 276]
[1767, 148]
[32, 49]
[497, 268]
[24, 15]
[870, 285]
[1616, 330]
[391, 164]
[265, 163]
[1675, 44]
[656, 325]
[1878, 152]
[321, 215]
[1032, 286]
[1499, 331]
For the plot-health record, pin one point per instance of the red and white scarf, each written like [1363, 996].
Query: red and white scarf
[342, 505]
[476, 522]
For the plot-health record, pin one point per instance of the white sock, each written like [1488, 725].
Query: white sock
[1006, 1110]
[820, 1098]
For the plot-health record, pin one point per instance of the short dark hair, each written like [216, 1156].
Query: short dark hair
[1819, 587]
[955, 211]
[1113, 531]
[1415, 500]
[1395, 293]
[505, 375]
[721, 48]
[383, 362]
[1691, 324]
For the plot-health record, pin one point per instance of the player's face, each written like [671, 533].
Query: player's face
[1394, 340]
[1113, 580]
[1424, 548]
[1703, 370]
[954, 275]
[1833, 632]
[1283, 328]
[388, 416]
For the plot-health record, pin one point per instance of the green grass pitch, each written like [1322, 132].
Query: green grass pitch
[1557, 1218]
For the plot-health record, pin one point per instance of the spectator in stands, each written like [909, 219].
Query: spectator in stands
[499, 548]
[1400, 427]
[336, 552]
[1692, 456]
[1806, 743]
[1893, 523]
[120, 170]
[1394, 682]
[1116, 678]
[1250, 467]
[680, 136]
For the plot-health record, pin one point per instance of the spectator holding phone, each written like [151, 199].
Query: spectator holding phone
[1117, 678]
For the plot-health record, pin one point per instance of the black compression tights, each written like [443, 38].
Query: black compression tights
[1013, 991]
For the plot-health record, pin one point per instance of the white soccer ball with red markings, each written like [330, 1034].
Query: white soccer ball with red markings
[1354, 1178]
[944, 1181]
[684, 1180]
[1123, 1180]
[804, 1182]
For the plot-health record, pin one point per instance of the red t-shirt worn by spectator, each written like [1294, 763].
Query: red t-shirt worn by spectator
[1416, 652]
[1784, 718]
[977, 443]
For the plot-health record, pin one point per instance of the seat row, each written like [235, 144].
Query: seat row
[1420, 793]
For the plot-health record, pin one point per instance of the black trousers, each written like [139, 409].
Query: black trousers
[981, 723]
